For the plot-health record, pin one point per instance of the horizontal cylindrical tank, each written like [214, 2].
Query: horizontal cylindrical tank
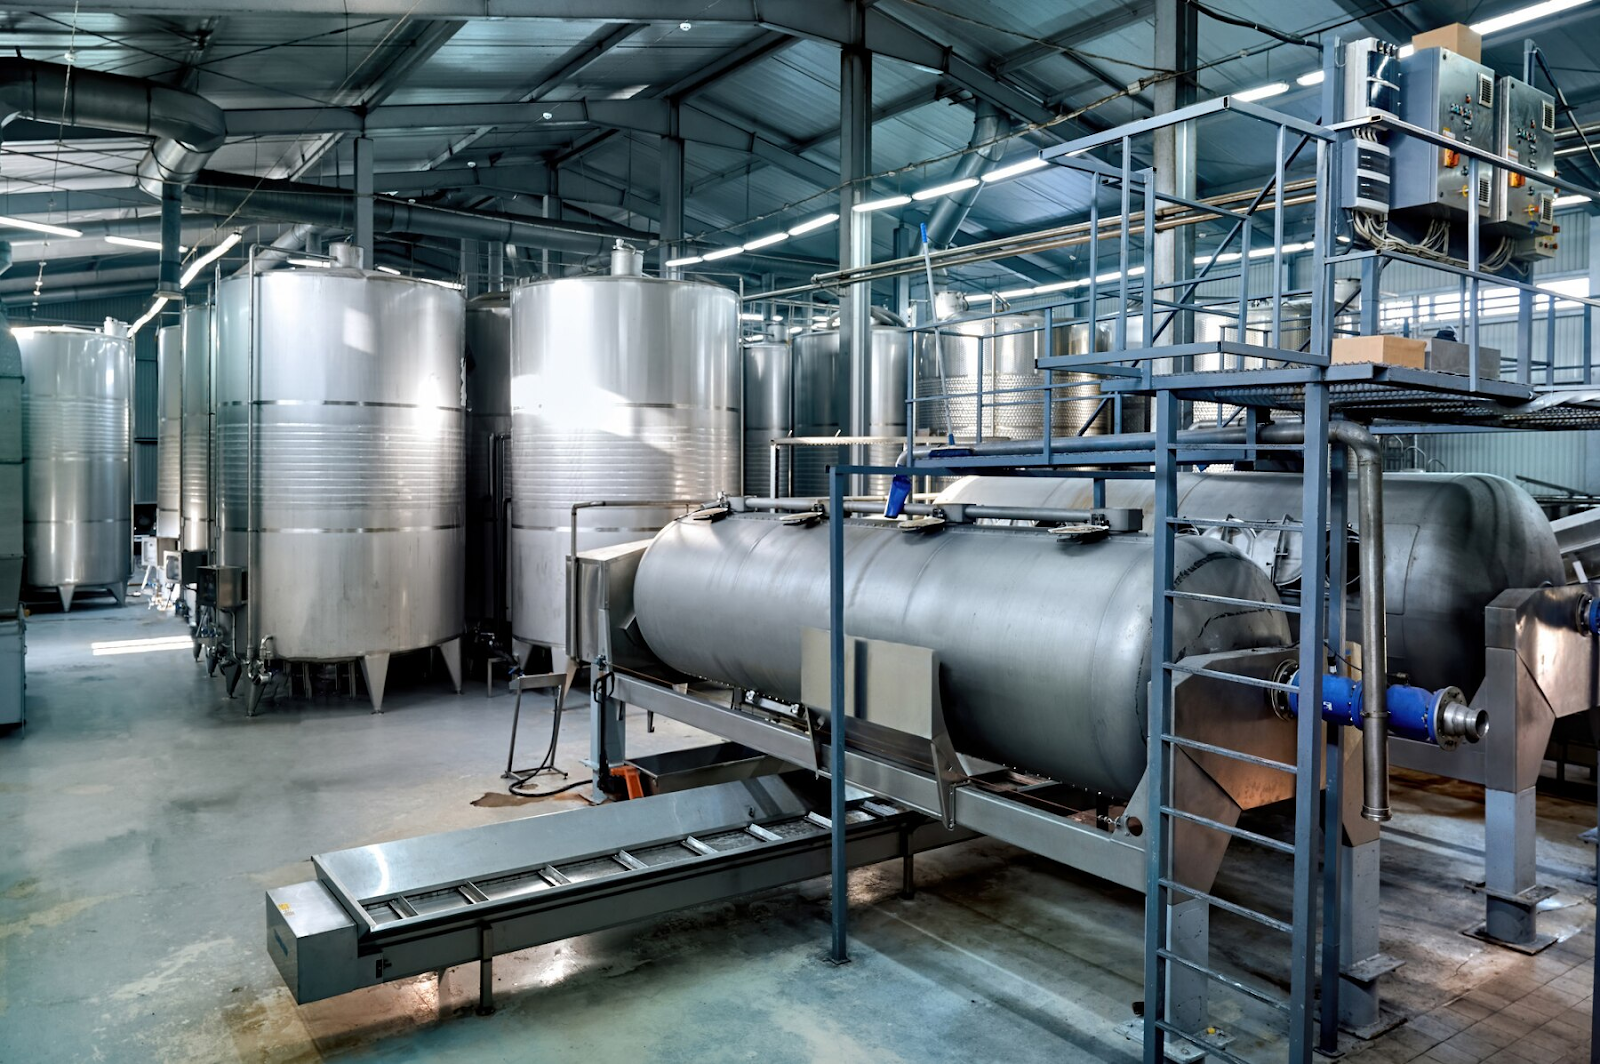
[623, 388]
[768, 413]
[195, 466]
[339, 459]
[77, 493]
[1452, 542]
[169, 429]
[1044, 648]
[488, 452]
[822, 397]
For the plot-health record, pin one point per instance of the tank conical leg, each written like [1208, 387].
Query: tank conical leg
[119, 591]
[375, 670]
[451, 652]
[520, 651]
[253, 697]
[65, 591]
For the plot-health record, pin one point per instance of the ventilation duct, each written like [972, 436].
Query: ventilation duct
[232, 195]
[986, 147]
[186, 127]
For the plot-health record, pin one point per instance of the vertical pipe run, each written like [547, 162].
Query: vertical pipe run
[1333, 792]
[671, 158]
[362, 237]
[840, 952]
[170, 275]
[855, 228]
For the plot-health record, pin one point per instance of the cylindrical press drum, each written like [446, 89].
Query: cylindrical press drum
[624, 389]
[345, 385]
[1452, 542]
[78, 512]
[1044, 649]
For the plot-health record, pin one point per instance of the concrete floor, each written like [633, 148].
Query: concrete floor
[142, 817]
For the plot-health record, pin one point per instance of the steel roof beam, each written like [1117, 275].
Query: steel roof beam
[1115, 16]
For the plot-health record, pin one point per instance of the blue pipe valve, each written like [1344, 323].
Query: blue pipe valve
[1589, 615]
[1440, 718]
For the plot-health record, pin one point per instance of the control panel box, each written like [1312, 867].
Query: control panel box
[1525, 132]
[221, 586]
[1371, 79]
[1452, 96]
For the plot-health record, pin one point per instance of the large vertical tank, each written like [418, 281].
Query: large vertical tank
[768, 413]
[77, 495]
[488, 434]
[623, 387]
[822, 396]
[993, 356]
[169, 445]
[195, 466]
[340, 464]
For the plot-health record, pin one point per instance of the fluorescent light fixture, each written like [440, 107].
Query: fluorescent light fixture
[945, 189]
[1255, 253]
[135, 242]
[796, 329]
[722, 253]
[207, 259]
[981, 297]
[1022, 166]
[1059, 286]
[1014, 293]
[751, 316]
[454, 286]
[1570, 201]
[155, 308]
[765, 241]
[879, 204]
[1313, 78]
[1533, 12]
[389, 269]
[313, 263]
[1277, 88]
[687, 260]
[815, 223]
[39, 227]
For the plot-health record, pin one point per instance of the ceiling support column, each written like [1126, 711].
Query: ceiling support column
[855, 229]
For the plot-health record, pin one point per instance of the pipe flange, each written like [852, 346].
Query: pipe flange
[1455, 721]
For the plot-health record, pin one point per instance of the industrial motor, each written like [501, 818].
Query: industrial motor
[1044, 647]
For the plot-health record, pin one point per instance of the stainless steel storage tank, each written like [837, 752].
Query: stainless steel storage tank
[1044, 649]
[77, 495]
[340, 464]
[822, 397]
[624, 388]
[1453, 541]
[768, 413]
[995, 356]
[195, 467]
[169, 422]
[488, 367]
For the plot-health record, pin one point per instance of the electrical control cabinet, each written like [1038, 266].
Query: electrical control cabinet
[1453, 96]
[1525, 132]
[1371, 79]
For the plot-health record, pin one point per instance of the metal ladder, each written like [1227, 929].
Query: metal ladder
[1175, 914]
